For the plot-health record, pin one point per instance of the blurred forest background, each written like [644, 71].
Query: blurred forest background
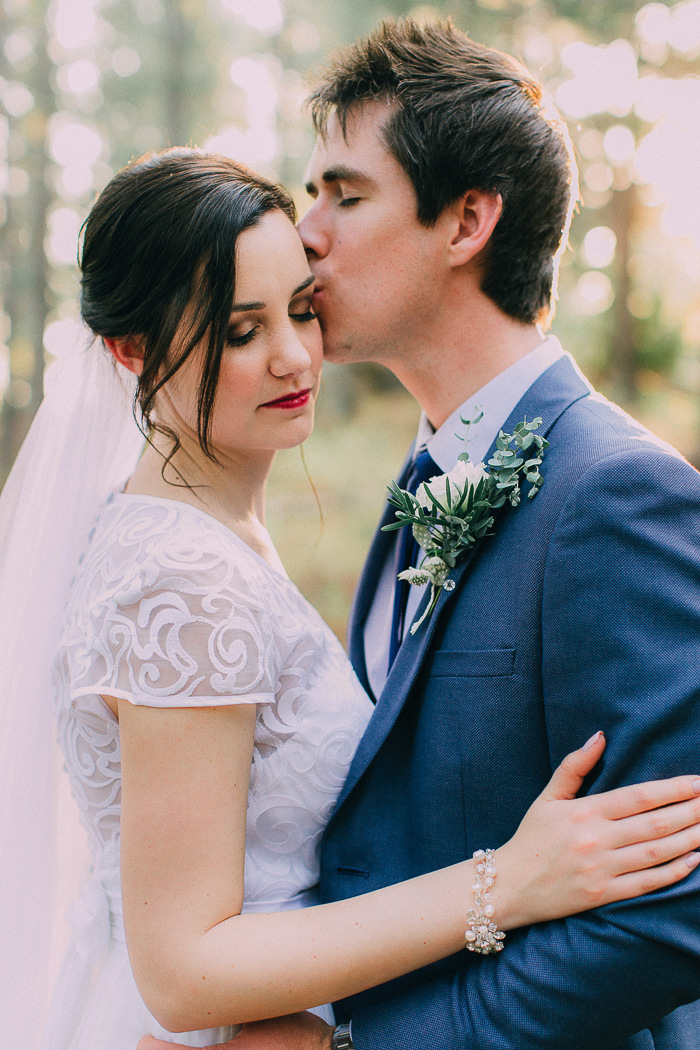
[85, 85]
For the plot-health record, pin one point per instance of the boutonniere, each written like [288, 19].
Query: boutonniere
[451, 512]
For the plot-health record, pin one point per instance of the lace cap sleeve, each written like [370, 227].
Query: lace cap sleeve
[180, 617]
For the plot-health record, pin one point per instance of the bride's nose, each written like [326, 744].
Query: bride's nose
[289, 356]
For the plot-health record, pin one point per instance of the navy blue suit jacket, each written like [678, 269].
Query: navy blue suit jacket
[581, 612]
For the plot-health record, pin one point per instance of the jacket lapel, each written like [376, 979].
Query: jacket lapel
[382, 542]
[558, 388]
[406, 667]
[549, 396]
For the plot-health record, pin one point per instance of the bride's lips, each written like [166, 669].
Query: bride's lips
[297, 399]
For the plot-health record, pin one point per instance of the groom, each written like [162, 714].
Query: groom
[441, 188]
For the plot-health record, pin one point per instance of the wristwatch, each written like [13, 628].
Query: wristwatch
[341, 1038]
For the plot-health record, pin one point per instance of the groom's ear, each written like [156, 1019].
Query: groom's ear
[473, 219]
[128, 352]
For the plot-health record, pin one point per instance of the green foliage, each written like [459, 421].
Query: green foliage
[447, 527]
[507, 465]
[659, 342]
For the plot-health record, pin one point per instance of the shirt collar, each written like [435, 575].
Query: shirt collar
[496, 400]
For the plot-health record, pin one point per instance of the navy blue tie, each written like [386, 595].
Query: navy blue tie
[407, 551]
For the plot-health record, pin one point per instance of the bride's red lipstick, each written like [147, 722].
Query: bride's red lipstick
[296, 400]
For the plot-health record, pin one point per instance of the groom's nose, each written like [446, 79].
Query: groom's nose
[313, 233]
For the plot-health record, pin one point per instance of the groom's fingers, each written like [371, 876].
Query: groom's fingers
[149, 1042]
[641, 798]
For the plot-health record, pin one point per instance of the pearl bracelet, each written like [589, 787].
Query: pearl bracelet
[482, 934]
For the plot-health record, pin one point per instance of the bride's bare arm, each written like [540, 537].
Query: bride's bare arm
[199, 963]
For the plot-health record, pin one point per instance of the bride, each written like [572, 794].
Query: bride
[207, 716]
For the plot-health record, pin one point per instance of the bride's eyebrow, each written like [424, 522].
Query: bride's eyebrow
[304, 284]
[240, 308]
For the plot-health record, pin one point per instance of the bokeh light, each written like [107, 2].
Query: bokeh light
[599, 247]
[619, 144]
[18, 45]
[17, 99]
[80, 77]
[64, 227]
[594, 293]
[64, 335]
[76, 24]
[126, 61]
[74, 144]
[604, 79]
[267, 16]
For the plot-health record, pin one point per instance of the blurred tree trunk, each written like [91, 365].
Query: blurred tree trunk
[6, 286]
[24, 237]
[39, 201]
[624, 358]
[177, 36]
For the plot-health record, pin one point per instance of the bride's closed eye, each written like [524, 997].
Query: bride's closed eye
[300, 308]
[304, 317]
[237, 338]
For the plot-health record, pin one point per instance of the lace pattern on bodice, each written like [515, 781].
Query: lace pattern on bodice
[171, 609]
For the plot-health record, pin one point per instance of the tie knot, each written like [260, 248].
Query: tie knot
[424, 467]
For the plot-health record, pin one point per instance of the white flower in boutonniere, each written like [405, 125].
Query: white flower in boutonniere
[450, 512]
[463, 472]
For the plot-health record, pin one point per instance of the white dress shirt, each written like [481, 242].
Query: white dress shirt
[496, 400]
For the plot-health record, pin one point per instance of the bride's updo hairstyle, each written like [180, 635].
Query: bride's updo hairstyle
[160, 239]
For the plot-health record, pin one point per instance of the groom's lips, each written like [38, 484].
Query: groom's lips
[319, 302]
[297, 399]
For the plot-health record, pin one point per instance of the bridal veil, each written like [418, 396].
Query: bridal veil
[83, 444]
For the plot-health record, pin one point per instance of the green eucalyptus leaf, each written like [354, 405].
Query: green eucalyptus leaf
[448, 495]
[434, 500]
[472, 422]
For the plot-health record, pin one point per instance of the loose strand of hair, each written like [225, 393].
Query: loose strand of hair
[319, 507]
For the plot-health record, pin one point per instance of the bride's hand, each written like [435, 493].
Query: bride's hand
[571, 854]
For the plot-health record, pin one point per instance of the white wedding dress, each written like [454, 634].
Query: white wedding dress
[171, 609]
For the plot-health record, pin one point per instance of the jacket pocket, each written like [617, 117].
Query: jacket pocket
[472, 663]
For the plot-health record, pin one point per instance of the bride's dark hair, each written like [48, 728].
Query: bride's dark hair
[161, 238]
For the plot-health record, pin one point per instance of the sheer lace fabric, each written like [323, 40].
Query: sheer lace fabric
[171, 609]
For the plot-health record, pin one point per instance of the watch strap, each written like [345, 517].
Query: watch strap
[341, 1038]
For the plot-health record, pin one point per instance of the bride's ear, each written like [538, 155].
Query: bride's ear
[128, 352]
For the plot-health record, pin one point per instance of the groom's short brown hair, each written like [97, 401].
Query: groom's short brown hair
[464, 116]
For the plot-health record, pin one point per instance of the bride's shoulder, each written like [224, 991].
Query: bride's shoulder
[140, 545]
[164, 605]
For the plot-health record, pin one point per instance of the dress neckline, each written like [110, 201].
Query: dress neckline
[278, 569]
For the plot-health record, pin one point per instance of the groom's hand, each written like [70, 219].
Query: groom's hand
[303, 1031]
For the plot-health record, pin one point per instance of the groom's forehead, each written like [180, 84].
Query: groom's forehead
[353, 151]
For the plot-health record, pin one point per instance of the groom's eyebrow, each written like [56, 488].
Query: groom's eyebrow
[339, 173]
[241, 308]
